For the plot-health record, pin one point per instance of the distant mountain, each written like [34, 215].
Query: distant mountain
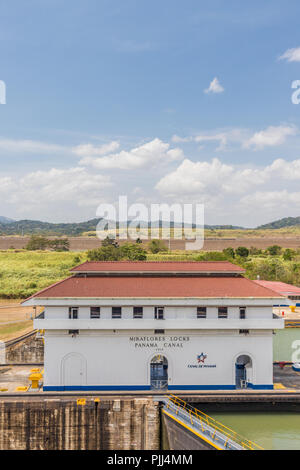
[281, 223]
[30, 227]
[5, 220]
[224, 227]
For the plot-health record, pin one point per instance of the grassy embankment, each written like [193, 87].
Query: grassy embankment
[22, 273]
[15, 330]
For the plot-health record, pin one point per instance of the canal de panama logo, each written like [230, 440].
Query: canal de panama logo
[201, 357]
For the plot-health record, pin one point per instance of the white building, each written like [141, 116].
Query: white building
[157, 325]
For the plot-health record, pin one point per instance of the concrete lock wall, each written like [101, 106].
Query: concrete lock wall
[25, 350]
[54, 424]
[113, 360]
[177, 437]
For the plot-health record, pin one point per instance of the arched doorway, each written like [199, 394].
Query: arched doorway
[73, 370]
[159, 372]
[243, 371]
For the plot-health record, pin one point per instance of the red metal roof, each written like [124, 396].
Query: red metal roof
[158, 266]
[280, 287]
[155, 287]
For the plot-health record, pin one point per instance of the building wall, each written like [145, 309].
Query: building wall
[121, 359]
[171, 312]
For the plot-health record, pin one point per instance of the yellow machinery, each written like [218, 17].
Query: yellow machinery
[81, 401]
[35, 378]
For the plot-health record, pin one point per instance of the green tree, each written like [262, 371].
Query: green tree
[133, 252]
[105, 253]
[110, 241]
[229, 252]
[269, 269]
[156, 246]
[242, 251]
[212, 256]
[130, 251]
[288, 254]
[59, 244]
[274, 250]
[37, 242]
[255, 251]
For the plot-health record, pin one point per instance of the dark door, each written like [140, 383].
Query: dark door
[159, 373]
[240, 374]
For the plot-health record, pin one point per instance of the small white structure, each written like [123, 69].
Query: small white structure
[157, 325]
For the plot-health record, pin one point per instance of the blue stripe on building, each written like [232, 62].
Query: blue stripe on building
[61, 388]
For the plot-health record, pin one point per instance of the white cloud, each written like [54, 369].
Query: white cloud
[270, 137]
[291, 55]
[228, 190]
[151, 153]
[29, 146]
[214, 87]
[177, 139]
[192, 177]
[35, 146]
[234, 192]
[214, 176]
[206, 178]
[272, 200]
[42, 188]
[222, 137]
[90, 150]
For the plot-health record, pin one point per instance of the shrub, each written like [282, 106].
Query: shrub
[242, 251]
[105, 253]
[212, 256]
[288, 254]
[156, 246]
[37, 242]
[274, 250]
[255, 251]
[109, 241]
[133, 252]
[229, 252]
[59, 244]
[130, 251]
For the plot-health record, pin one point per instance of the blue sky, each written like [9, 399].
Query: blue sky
[163, 101]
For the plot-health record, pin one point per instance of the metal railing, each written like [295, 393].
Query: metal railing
[226, 437]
